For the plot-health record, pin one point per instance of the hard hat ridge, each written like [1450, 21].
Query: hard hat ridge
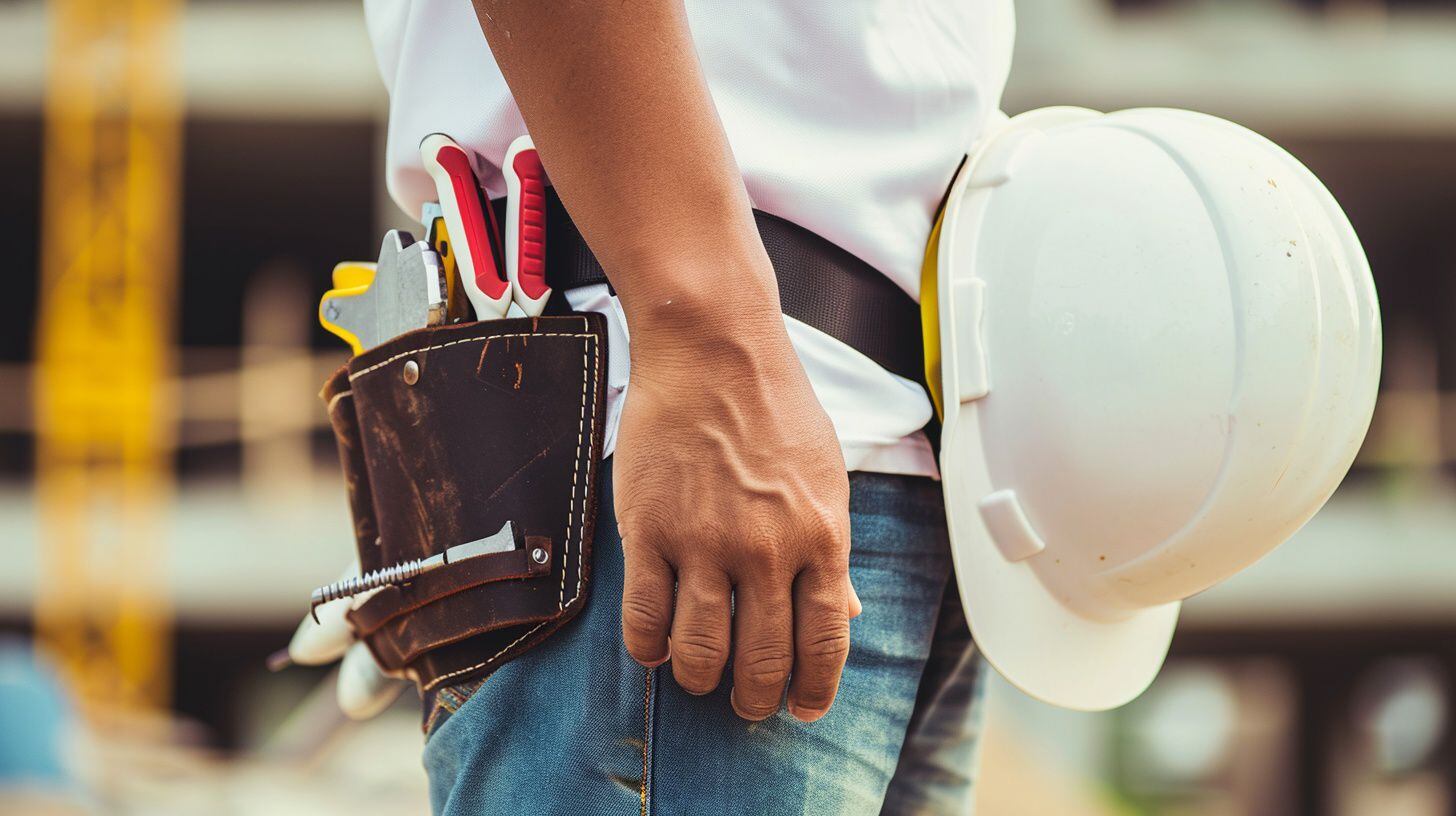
[1300, 435]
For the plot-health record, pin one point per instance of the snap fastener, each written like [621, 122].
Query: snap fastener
[411, 372]
[539, 555]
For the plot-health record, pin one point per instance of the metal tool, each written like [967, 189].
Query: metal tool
[526, 226]
[457, 301]
[407, 292]
[351, 279]
[471, 222]
[508, 538]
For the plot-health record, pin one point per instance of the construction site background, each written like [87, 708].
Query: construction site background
[181, 177]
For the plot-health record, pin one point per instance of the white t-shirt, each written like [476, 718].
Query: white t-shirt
[847, 117]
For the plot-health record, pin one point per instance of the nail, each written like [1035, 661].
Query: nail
[733, 700]
[804, 715]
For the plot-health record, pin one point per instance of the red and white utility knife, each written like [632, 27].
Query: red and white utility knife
[470, 225]
[526, 226]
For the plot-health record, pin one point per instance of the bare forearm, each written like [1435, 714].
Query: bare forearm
[731, 498]
[616, 102]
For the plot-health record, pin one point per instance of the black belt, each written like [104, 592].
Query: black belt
[820, 284]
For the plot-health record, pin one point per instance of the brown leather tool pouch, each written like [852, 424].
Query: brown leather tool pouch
[445, 434]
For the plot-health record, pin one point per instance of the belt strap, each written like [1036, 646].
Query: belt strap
[820, 284]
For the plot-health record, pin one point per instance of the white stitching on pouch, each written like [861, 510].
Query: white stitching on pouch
[586, 372]
[404, 354]
[575, 472]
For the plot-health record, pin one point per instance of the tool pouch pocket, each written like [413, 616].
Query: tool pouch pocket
[445, 435]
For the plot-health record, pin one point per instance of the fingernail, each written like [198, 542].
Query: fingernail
[733, 701]
[801, 715]
[649, 664]
[652, 664]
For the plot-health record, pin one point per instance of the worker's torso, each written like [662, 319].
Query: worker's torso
[848, 117]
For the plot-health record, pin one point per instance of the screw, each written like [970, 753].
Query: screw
[411, 372]
[539, 555]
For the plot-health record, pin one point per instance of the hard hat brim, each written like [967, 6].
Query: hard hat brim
[1039, 644]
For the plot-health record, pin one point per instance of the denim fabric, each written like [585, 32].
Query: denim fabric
[576, 727]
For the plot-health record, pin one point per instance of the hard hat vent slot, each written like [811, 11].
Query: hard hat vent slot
[1008, 526]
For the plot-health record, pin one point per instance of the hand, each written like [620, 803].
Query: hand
[730, 484]
[363, 689]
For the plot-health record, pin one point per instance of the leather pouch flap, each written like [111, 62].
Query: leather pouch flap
[453, 432]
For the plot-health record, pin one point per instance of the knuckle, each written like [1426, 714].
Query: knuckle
[764, 553]
[696, 595]
[830, 643]
[761, 551]
[763, 544]
[699, 651]
[763, 666]
[821, 608]
[646, 524]
[643, 617]
[826, 527]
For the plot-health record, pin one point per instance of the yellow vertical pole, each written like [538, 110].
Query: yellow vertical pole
[104, 417]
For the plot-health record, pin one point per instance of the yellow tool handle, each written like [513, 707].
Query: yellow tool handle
[349, 274]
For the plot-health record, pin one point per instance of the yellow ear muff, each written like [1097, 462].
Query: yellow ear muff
[930, 315]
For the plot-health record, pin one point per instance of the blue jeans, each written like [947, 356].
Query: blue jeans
[576, 727]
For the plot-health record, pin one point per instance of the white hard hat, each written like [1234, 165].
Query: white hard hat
[1158, 351]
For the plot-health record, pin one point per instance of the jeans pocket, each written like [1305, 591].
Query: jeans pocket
[445, 701]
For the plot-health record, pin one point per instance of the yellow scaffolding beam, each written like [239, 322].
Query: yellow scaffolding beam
[104, 423]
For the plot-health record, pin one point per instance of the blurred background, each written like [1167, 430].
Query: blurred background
[169, 491]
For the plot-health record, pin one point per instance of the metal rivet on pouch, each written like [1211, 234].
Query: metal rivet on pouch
[411, 372]
[539, 555]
